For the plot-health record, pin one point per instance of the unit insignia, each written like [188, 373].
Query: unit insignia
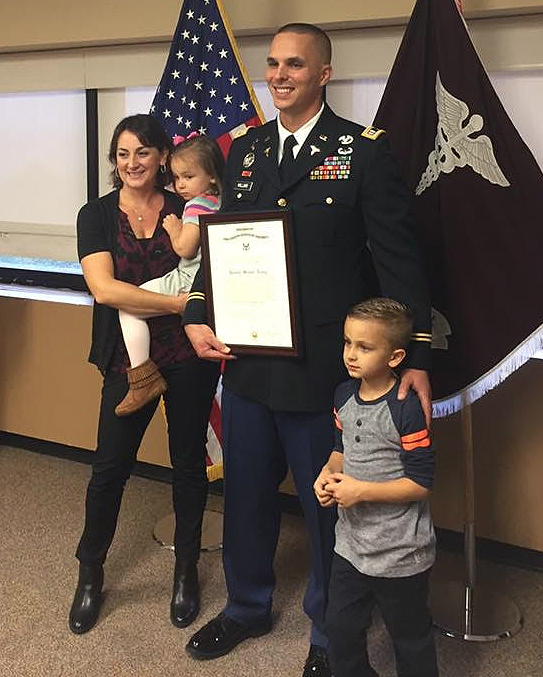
[248, 159]
[372, 133]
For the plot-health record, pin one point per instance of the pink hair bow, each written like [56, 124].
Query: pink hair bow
[179, 139]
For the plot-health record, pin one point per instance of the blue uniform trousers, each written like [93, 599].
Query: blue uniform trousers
[259, 445]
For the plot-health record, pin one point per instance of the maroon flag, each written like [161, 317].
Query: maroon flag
[478, 196]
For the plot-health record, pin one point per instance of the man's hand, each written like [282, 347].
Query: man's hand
[345, 490]
[206, 344]
[419, 381]
[324, 497]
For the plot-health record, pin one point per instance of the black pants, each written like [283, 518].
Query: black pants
[191, 387]
[403, 605]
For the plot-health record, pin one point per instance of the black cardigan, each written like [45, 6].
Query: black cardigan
[97, 227]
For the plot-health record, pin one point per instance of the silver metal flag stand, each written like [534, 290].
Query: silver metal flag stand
[467, 609]
[211, 531]
[164, 529]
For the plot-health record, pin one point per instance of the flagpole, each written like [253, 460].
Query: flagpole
[203, 50]
[164, 531]
[245, 75]
[469, 522]
[212, 523]
[466, 609]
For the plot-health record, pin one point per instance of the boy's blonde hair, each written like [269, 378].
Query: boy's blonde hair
[395, 317]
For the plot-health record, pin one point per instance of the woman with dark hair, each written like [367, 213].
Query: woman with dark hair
[122, 244]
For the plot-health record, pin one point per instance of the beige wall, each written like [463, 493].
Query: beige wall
[34, 24]
[49, 391]
[513, 43]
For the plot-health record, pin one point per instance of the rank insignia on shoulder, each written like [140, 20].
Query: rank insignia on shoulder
[372, 133]
[238, 133]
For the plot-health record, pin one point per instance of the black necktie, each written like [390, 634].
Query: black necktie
[287, 161]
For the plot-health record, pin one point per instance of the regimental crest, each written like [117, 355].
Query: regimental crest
[248, 160]
[454, 147]
[440, 330]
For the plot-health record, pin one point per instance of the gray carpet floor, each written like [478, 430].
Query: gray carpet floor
[41, 513]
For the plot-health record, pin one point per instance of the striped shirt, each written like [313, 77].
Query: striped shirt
[202, 204]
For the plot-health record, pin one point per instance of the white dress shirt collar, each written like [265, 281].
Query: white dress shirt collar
[300, 134]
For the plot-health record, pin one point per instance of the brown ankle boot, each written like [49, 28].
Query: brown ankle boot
[145, 383]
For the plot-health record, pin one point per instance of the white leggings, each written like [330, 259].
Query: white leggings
[136, 335]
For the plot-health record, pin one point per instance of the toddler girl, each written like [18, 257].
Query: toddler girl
[197, 165]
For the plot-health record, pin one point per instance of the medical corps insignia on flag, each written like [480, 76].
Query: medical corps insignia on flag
[457, 145]
[478, 198]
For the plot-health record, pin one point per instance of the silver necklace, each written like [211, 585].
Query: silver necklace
[139, 215]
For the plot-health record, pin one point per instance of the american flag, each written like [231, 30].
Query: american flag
[205, 87]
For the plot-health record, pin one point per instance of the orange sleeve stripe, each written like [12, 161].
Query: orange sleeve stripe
[409, 446]
[337, 421]
[415, 436]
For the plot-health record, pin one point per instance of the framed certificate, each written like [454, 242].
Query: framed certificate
[250, 281]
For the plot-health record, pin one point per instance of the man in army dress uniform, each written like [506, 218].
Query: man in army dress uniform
[354, 238]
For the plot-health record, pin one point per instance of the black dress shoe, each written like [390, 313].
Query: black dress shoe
[87, 598]
[185, 604]
[316, 664]
[221, 635]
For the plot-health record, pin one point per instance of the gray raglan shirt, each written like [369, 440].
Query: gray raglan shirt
[382, 440]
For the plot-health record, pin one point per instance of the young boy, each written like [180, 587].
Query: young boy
[379, 474]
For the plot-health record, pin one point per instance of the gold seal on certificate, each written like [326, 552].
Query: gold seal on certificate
[250, 281]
